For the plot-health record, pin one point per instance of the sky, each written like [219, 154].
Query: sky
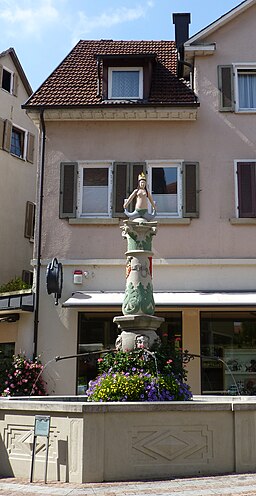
[43, 32]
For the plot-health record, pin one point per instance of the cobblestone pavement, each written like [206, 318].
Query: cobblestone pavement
[227, 485]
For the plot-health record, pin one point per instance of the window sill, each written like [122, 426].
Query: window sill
[243, 221]
[96, 220]
[167, 220]
[116, 220]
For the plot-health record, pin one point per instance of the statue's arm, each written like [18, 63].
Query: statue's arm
[150, 197]
[131, 197]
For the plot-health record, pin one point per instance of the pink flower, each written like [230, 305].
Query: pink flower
[165, 334]
[169, 361]
[100, 360]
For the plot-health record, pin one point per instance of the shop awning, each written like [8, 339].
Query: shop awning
[22, 301]
[84, 299]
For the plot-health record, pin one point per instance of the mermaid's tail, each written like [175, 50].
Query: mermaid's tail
[136, 215]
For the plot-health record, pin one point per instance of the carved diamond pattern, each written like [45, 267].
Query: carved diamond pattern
[179, 444]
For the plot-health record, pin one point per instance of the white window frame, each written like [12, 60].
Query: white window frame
[244, 160]
[24, 155]
[172, 164]
[11, 82]
[93, 164]
[125, 69]
[236, 67]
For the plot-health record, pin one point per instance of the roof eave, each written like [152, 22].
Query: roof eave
[220, 22]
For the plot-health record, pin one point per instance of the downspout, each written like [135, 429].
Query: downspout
[39, 230]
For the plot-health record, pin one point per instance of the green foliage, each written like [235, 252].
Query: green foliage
[22, 377]
[140, 375]
[15, 284]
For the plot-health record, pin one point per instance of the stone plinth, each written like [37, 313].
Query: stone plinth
[137, 331]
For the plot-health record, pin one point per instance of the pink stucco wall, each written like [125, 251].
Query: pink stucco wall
[216, 139]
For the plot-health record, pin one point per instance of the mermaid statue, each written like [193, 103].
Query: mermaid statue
[142, 196]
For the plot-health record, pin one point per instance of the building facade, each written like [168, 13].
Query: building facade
[18, 158]
[110, 110]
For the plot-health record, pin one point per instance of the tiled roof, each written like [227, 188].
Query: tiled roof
[74, 81]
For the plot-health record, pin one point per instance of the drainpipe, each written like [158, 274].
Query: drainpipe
[39, 230]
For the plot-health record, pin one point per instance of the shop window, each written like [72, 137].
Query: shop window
[228, 347]
[98, 333]
[93, 334]
[6, 357]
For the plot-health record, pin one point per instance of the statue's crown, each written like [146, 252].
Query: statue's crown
[142, 176]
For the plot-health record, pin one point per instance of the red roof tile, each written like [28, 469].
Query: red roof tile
[74, 81]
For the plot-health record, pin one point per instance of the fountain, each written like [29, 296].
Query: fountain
[138, 324]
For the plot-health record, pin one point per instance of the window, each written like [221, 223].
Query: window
[94, 181]
[246, 188]
[16, 141]
[98, 189]
[237, 85]
[30, 220]
[231, 336]
[125, 83]
[174, 187]
[9, 80]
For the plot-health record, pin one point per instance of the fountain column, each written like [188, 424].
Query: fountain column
[138, 324]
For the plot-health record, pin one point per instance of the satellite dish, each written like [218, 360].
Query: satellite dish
[54, 279]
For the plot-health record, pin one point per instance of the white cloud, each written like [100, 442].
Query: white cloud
[26, 18]
[86, 24]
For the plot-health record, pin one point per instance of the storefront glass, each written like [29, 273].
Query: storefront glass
[100, 333]
[228, 345]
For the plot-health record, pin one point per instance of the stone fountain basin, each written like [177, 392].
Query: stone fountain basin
[94, 442]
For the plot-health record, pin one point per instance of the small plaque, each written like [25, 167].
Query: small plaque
[42, 425]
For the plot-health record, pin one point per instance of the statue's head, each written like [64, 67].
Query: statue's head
[142, 180]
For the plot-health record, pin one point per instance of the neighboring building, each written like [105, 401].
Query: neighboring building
[112, 109]
[18, 143]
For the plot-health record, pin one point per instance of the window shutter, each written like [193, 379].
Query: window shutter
[7, 136]
[135, 169]
[120, 188]
[68, 190]
[246, 189]
[1, 74]
[1, 132]
[30, 220]
[125, 181]
[226, 88]
[190, 189]
[30, 148]
[15, 84]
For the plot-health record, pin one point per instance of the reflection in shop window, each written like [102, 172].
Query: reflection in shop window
[98, 333]
[232, 338]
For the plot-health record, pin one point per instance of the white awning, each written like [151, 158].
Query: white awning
[84, 299]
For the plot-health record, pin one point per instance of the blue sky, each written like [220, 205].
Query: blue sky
[44, 31]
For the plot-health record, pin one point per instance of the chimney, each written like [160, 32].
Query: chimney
[181, 22]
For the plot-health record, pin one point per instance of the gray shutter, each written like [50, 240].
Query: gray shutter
[190, 172]
[226, 88]
[7, 136]
[15, 84]
[1, 132]
[124, 182]
[246, 181]
[120, 187]
[1, 75]
[30, 148]
[29, 220]
[68, 189]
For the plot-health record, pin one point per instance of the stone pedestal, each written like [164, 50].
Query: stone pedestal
[137, 331]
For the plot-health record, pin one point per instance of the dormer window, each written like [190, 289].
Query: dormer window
[125, 83]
